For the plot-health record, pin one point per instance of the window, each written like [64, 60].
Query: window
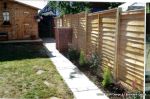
[6, 18]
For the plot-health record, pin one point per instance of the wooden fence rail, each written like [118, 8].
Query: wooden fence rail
[118, 37]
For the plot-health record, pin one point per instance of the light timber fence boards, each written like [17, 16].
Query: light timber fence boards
[75, 23]
[117, 37]
[131, 54]
[108, 33]
[82, 32]
[93, 33]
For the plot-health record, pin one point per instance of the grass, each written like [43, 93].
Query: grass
[19, 64]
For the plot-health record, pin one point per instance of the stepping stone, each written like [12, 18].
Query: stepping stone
[39, 72]
[54, 98]
[36, 68]
[1, 78]
[48, 84]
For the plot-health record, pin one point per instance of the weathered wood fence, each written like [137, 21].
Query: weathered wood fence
[118, 37]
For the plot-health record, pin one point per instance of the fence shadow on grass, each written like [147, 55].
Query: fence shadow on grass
[19, 51]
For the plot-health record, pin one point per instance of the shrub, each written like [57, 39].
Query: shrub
[82, 60]
[94, 61]
[107, 80]
[73, 54]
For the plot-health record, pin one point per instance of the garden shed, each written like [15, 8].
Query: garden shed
[18, 20]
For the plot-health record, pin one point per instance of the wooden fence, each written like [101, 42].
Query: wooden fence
[118, 37]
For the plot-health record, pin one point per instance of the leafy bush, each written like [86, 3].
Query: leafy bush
[107, 80]
[73, 54]
[94, 61]
[82, 60]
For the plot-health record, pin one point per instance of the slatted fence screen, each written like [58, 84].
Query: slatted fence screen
[118, 38]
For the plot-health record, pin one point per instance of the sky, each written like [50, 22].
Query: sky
[36, 3]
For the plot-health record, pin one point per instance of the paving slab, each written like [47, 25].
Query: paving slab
[78, 83]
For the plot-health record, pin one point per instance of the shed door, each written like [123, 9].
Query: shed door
[27, 25]
[18, 23]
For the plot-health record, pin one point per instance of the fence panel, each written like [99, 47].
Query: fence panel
[108, 41]
[82, 32]
[75, 24]
[58, 22]
[101, 32]
[67, 20]
[92, 33]
[131, 49]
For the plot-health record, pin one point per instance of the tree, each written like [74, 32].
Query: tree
[113, 5]
[66, 7]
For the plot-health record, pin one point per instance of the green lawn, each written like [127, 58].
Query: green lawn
[20, 76]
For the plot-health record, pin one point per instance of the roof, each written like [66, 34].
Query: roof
[37, 4]
[46, 11]
[132, 6]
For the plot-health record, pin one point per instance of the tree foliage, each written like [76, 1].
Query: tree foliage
[66, 7]
[113, 5]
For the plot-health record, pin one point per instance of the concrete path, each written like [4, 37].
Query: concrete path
[79, 84]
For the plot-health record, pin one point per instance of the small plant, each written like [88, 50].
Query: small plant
[107, 80]
[33, 37]
[82, 60]
[94, 61]
[73, 54]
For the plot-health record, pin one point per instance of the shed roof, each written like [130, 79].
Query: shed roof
[37, 4]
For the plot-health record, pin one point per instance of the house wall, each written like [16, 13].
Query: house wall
[23, 23]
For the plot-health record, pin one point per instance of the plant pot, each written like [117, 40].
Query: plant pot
[33, 37]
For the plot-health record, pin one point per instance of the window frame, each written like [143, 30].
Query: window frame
[6, 17]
